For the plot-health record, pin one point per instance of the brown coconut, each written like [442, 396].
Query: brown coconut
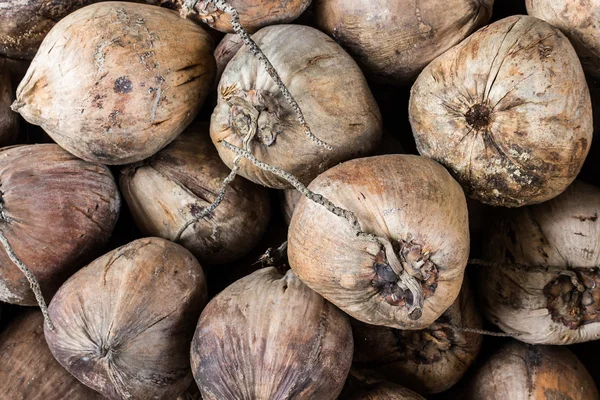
[428, 361]
[394, 40]
[579, 21]
[507, 111]
[56, 211]
[224, 52]
[384, 391]
[419, 215]
[268, 336]
[29, 371]
[546, 286]
[254, 14]
[175, 185]
[123, 324]
[329, 88]
[115, 82]
[518, 371]
[9, 122]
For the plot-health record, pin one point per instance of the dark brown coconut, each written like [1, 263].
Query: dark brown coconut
[554, 296]
[124, 323]
[28, 370]
[9, 126]
[329, 88]
[579, 21]
[428, 361]
[268, 336]
[115, 82]
[254, 14]
[419, 214]
[56, 211]
[384, 391]
[175, 185]
[519, 371]
[507, 111]
[394, 40]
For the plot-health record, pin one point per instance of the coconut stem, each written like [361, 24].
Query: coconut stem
[35, 286]
[409, 282]
[222, 5]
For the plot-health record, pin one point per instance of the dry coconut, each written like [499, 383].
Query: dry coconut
[268, 336]
[123, 324]
[227, 48]
[383, 391]
[57, 212]
[254, 14]
[29, 371]
[115, 82]
[428, 361]
[328, 86]
[405, 265]
[519, 371]
[394, 40]
[174, 187]
[545, 283]
[507, 111]
[579, 21]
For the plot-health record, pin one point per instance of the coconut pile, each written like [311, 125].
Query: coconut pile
[296, 199]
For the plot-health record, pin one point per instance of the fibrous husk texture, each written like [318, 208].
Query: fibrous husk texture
[409, 201]
[394, 40]
[124, 323]
[519, 371]
[28, 369]
[254, 14]
[115, 82]
[507, 111]
[384, 391]
[175, 185]
[268, 336]
[428, 361]
[553, 297]
[56, 211]
[327, 85]
[579, 21]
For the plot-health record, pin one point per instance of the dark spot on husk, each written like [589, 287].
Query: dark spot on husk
[123, 85]
[478, 117]
[534, 356]
[584, 218]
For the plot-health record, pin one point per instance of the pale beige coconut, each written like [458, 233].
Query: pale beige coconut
[115, 82]
[579, 21]
[428, 361]
[329, 88]
[123, 324]
[411, 270]
[394, 40]
[171, 189]
[518, 371]
[507, 111]
[553, 297]
[268, 336]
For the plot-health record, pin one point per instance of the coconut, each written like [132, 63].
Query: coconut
[227, 48]
[254, 14]
[405, 266]
[329, 88]
[519, 371]
[28, 370]
[9, 123]
[123, 324]
[384, 391]
[115, 82]
[578, 21]
[268, 336]
[394, 40]
[175, 185]
[57, 212]
[507, 111]
[428, 361]
[543, 284]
